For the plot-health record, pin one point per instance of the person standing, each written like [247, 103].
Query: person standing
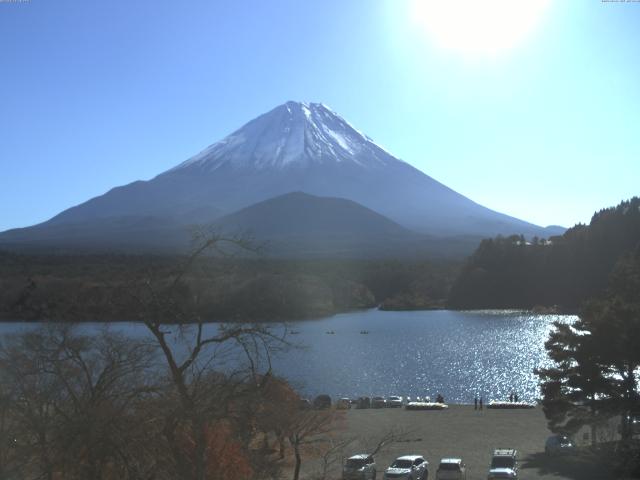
[515, 397]
[475, 403]
[480, 403]
[511, 397]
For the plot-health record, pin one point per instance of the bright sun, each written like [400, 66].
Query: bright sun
[479, 27]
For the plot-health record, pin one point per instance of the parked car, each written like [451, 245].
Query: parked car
[632, 423]
[378, 402]
[322, 402]
[559, 445]
[451, 469]
[394, 401]
[359, 467]
[343, 404]
[363, 402]
[304, 404]
[408, 467]
[504, 464]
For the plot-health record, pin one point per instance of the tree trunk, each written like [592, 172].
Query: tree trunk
[200, 451]
[629, 382]
[281, 446]
[296, 450]
[592, 424]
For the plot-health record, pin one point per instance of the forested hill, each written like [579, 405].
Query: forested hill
[509, 272]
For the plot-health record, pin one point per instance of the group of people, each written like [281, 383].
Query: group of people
[478, 403]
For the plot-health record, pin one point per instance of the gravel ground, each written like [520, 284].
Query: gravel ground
[472, 435]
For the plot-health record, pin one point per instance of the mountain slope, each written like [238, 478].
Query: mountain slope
[296, 147]
[298, 224]
[302, 225]
[134, 233]
[299, 213]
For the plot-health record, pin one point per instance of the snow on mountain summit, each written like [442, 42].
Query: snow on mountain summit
[290, 135]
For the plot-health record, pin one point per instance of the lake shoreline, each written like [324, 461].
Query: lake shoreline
[310, 318]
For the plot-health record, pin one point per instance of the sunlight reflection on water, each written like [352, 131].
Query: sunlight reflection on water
[458, 354]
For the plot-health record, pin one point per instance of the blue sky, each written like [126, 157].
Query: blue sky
[99, 94]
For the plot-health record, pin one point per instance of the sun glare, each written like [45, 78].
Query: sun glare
[478, 27]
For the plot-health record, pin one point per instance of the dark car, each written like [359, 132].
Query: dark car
[632, 423]
[559, 445]
[363, 402]
[322, 402]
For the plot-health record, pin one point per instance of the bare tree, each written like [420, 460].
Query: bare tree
[332, 457]
[101, 407]
[331, 447]
[214, 370]
[74, 403]
[376, 444]
[305, 427]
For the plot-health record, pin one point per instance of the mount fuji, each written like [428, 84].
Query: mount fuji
[296, 147]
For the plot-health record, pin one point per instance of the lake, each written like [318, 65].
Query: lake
[417, 353]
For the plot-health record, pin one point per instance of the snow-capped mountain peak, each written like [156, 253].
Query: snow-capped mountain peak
[293, 134]
[296, 147]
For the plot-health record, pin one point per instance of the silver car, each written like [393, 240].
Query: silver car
[504, 464]
[451, 469]
[408, 467]
[359, 467]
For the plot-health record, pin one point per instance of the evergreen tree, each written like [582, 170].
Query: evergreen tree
[597, 358]
[564, 271]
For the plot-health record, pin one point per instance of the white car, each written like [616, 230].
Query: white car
[408, 467]
[394, 401]
[359, 467]
[451, 469]
[504, 464]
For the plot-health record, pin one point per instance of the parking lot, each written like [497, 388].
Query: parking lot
[472, 435]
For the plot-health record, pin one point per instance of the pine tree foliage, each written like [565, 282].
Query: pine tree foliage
[597, 359]
[564, 271]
